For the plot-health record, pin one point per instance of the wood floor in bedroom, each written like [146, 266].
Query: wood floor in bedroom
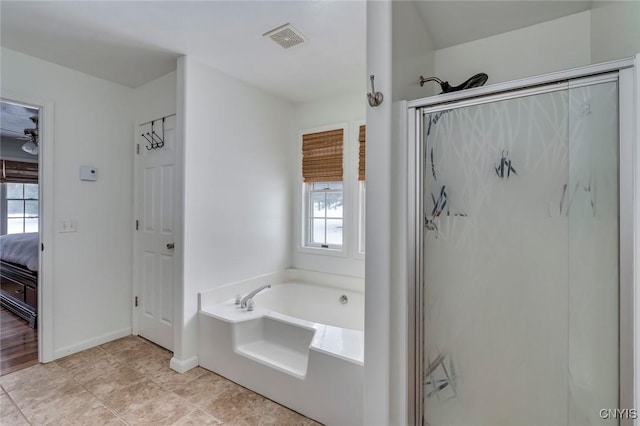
[18, 343]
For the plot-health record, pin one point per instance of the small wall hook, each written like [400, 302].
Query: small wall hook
[375, 98]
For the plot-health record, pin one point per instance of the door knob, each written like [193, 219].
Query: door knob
[170, 246]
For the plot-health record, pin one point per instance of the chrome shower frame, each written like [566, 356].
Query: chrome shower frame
[627, 73]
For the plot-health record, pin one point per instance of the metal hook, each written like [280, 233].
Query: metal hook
[375, 98]
[159, 142]
[149, 147]
[154, 144]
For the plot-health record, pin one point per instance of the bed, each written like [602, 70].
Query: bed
[19, 259]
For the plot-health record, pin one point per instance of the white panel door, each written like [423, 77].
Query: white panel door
[154, 259]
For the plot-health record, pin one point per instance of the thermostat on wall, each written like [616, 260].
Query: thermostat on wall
[88, 173]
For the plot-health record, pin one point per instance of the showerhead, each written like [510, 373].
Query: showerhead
[475, 81]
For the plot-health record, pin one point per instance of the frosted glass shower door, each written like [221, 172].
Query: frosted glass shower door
[520, 260]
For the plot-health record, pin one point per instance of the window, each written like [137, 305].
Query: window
[325, 214]
[22, 207]
[323, 187]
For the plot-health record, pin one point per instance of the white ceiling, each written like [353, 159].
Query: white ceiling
[133, 42]
[13, 120]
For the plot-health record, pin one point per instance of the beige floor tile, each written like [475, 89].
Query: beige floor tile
[94, 414]
[207, 388]
[101, 366]
[161, 410]
[9, 412]
[238, 408]
[125, 343]
[56, 403]
[169, 378]
[129, 397]
[276, 414]
[135, 355]
[39, 375]
[267, 412]
[108, 382]
[197, 418]
[80, 359]
[85, 369]
[151, 364]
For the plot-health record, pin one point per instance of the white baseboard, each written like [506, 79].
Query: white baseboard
[90, 343]
[183, 366]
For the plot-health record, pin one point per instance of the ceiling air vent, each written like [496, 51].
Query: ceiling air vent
[286, 36]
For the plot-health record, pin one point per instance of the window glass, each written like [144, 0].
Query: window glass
[31, 225]
[22, 208]
[15, 208]
[31, 208]
[334, 204]
[334, 231]
[14, 226]
[30, 191]
[14, 190]
[324, 214]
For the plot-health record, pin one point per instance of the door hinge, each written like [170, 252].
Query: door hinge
[41, 246]
[136, 301]
[138, 148]
[137, 224]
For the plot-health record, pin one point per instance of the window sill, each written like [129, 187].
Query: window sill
[322, 251]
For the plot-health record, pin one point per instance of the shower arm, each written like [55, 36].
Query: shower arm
[423, 80]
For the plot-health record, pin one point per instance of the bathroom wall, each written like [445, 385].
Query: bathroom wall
[377, 392]
[550, 46]
[155, 99]
[399, 50]
[348, 109]
[92, 268]
[413, 53]
[615, 30]
[237, 199]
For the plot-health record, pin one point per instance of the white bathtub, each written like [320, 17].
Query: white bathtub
[301, 346]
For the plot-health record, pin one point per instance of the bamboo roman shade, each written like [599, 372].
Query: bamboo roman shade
[362, 137]
[18, 172]
[322, 156]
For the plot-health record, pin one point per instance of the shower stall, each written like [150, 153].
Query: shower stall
[523, 252]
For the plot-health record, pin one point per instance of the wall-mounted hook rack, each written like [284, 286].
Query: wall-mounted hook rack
[155, 140]
[375, 98]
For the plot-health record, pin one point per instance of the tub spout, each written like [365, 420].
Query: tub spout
[243, 302]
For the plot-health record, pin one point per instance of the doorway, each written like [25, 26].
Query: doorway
[20, 224]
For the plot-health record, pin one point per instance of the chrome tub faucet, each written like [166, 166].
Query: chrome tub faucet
[244, 302]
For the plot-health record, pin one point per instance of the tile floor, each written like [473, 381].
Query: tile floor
[128, 381]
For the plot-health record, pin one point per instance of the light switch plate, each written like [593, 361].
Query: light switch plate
[69, 225]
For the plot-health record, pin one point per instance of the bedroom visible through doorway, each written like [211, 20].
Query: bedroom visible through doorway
[20, 224]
